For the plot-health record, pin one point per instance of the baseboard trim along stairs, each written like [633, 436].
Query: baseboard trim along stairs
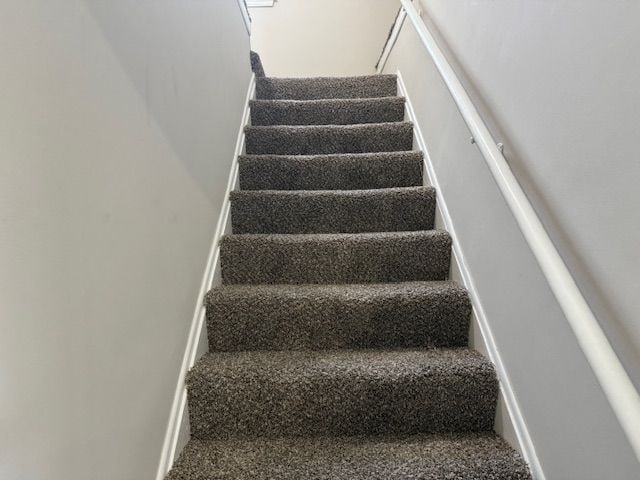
[338, 345]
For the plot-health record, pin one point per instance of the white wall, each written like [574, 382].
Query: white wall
[557, 81]
[117, 129]
[305, 38]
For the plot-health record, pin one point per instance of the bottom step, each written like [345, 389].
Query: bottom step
[481, 456]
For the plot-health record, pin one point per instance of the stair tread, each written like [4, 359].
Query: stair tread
[287, 238]
[363, 192]
[333, 156]
[312, 317]
[331, 171]
[318, 139]
[335, 257]
[480, 456]
[327, 111]
[333, 211]
[328, 101]
[351, 292]
[341, 392]
[366, 86]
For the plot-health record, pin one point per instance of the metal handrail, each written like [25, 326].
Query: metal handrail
[611, 374]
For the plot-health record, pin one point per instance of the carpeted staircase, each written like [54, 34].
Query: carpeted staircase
[338, 348]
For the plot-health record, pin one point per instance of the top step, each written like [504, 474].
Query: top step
[371, 86]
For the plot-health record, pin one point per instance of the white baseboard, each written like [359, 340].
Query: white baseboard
[177, 426]
[460, 269]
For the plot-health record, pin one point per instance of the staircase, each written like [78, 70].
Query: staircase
[338, 348]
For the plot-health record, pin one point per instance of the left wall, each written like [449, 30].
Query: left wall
[117, 130]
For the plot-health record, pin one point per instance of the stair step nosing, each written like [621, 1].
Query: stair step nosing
[362, 236]
[319, 101]
[433, 361]
[414, 154]
[477, 455]
[380, 193]
[337, 127]
[331, 78]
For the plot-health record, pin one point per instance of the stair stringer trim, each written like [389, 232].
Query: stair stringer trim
[177, 431]
[461, 271]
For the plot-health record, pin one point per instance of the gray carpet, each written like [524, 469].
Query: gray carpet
[331, 172]
[326, 87]
[463, 456]
[338, 348]
[314, 317]
[341, 392]
[336, 258]
[317, 139]
[333, 211]
[327, 112]
[256, 64]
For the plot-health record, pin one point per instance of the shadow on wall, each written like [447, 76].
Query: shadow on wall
[183, 98]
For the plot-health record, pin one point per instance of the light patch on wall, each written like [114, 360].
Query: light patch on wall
[260, 3]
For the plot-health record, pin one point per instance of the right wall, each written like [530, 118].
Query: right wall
[558, 82]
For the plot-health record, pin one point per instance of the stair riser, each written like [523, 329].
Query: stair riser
[385, 258]
[327, 140]
[360, 319]
[334, 112]
[338, 172]
[341, 405]
[331, 212]
[320, 88]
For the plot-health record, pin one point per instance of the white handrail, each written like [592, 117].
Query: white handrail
[613, 378]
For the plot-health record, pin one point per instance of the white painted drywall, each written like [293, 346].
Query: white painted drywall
[117, 128]
[557, 83]
[305, 38]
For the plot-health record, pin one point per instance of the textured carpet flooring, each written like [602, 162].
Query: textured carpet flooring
[312, 317]
[341, 392]
[333, 211]
[325, 172]
[336, 257]
[325, 112]
[317, 139]
[372, 86]
[469, 456]
[338, 346]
